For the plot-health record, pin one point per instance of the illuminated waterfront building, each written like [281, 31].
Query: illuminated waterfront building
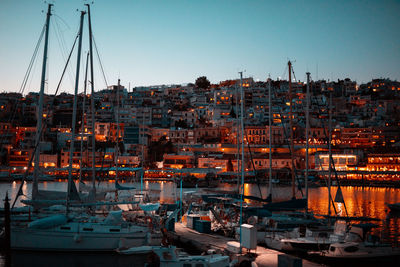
[341, 161]
[383, 162]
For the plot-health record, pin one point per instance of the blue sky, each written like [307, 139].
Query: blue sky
[146, 42]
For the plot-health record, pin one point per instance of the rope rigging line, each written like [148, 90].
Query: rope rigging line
[285, 133]
[333, 166]
[315, 147]
[335, 172]
[252, 162]
[100, 62]
[284, 72]
[25, 80]
[44, 125]
[62, 44]
[23, 86]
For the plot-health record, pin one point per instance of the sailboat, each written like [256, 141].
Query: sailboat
[322, 238]
[304, 231]
[78, 231]
[292, 204]
[70, 233]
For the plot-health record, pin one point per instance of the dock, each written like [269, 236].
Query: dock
[203, 242]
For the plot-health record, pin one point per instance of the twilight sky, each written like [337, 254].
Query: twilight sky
[150, 42]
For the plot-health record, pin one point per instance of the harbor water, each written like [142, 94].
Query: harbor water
[359, 201]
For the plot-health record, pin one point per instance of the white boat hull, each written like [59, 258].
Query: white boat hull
[173, 257]
[359, 251]
[56, 239]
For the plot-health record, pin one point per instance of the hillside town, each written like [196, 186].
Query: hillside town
[195, 126]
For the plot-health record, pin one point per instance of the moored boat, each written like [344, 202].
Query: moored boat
[359, 250]
[358, 246]
[316, 239]
[174, 257]
[59, 233]
[71, 231]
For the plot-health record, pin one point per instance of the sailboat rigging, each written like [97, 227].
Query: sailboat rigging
[269, 197]
[73, 232]
[117, 185]
[41, 94]
[307, 132]
[83, 122]
[72, 193]
[293, 203]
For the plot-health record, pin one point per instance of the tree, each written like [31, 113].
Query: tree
[202, 82]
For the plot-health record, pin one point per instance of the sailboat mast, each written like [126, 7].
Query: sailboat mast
[83, 119]
[307, 133]
[117, 141]
[291, 129]
[35, 187]
[270, 140]
[237, 139]
[92, 102]
[71, 149]
[242, 141]
[330, 152]
[141, 132]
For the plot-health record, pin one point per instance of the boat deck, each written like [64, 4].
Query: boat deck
[265, 257]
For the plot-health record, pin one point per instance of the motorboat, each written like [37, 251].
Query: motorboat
[358, 245]
[316, 239]
[357, 250]
[172, 256]
[278, 227]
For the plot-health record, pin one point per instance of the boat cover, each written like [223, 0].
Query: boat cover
[48, 222]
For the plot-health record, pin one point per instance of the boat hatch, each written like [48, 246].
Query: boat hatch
[351, 249]
[65, 228]
[114, 230]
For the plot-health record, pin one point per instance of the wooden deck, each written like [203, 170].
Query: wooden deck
[265, 257]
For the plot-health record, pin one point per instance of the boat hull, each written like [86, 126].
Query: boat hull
[359, 254]
[305, 246]
[56, 240]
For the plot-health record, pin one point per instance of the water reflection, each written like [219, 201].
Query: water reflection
[365, 202]
[359, 201]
